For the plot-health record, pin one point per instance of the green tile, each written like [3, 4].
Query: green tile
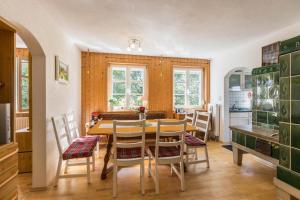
[276, 106]
[295, 137]
[284, 158]
[283, 174]
[295, 63]
[254, 118]
[234, 136]
[276, 78]
[273, 118]
[274, 92]
[259, 80]
[289, 45]
[284, 133]
[267, 79]
[262, 117]
[254, 81]
[241, 139]
[295, 84]
[267, 105]
[295, 160]
[285, 111]
[285, 88]
[250, 142]
[262, 92]
[275, 151]
[295, 113]
[284, 65]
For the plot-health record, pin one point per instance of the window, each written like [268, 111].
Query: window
[187, 88]
[127, 87]
[23, 84]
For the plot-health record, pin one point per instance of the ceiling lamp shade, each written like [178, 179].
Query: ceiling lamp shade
[134, 44]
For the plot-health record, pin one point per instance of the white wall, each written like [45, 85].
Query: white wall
[247, 55]
[49, 97]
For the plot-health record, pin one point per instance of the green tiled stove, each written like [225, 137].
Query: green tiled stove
[288, 170]
[261, 139]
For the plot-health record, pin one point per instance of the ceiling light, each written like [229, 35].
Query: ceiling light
[134, 44]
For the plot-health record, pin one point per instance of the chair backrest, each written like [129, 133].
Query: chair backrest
[61, 134]
[178, 130]
[129, 134]
[72, 126]
[190, 117]
[202, 121]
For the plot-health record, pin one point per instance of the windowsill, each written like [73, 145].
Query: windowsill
[22, 114]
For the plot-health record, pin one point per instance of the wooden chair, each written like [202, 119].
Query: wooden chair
[192, 142]
[70, 150]
[168, 151]
[128, 148]
[190, 117]
[74, 135]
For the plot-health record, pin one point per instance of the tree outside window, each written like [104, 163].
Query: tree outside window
[127, 87]
[187, 88]
[23, 85]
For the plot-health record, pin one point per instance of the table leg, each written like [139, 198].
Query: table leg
[237, 155]
[106, 169]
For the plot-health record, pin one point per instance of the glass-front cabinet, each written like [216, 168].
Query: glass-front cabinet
[240, 81]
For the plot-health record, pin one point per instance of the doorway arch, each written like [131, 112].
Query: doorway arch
[227, 135]
[39, 179]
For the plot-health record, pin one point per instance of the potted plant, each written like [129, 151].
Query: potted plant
[112, 102]
[142, 112]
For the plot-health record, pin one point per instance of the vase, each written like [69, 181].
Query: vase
[142, 116]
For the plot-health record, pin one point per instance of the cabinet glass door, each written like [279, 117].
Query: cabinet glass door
[235, 81]
[248, 81]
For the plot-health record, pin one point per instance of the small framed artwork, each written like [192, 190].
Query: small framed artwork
[61, 71]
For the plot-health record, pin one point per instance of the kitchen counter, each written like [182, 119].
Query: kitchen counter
[259, 141]
[240, 110]
[259, 132]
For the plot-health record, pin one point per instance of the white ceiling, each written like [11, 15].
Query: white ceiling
[186, 28]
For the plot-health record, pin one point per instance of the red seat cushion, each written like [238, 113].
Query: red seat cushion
[127, 153]
[193, 141]
[166, 151]
[93, 139]
[79, 149]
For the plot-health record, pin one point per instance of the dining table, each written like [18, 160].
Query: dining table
[105, 128]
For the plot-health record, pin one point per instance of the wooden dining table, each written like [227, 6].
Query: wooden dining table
[105, 127]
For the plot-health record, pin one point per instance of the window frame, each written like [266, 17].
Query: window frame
[187, 83]
[128, 81]
[19, 83]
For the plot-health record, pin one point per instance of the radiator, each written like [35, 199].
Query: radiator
[22, 122]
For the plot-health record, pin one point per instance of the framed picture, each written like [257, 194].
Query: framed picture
[61, 71]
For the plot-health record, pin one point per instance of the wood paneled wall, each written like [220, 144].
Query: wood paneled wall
[160, 79]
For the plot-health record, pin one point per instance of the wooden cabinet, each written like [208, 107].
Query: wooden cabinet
[8, 171]
[24, 140]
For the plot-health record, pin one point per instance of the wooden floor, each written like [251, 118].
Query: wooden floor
[223, 181]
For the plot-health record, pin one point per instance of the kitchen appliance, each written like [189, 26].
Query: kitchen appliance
[5, 131]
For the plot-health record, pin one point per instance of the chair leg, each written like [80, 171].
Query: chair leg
[115, 184]
[187, 157]
[57, 172]
[196, 154]
[156, 178]
[171, 165]
[206, 154]
[93, 161]
[88, 168]
[149, 166]
[142, 180]
[66, 166]
[182, 180]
